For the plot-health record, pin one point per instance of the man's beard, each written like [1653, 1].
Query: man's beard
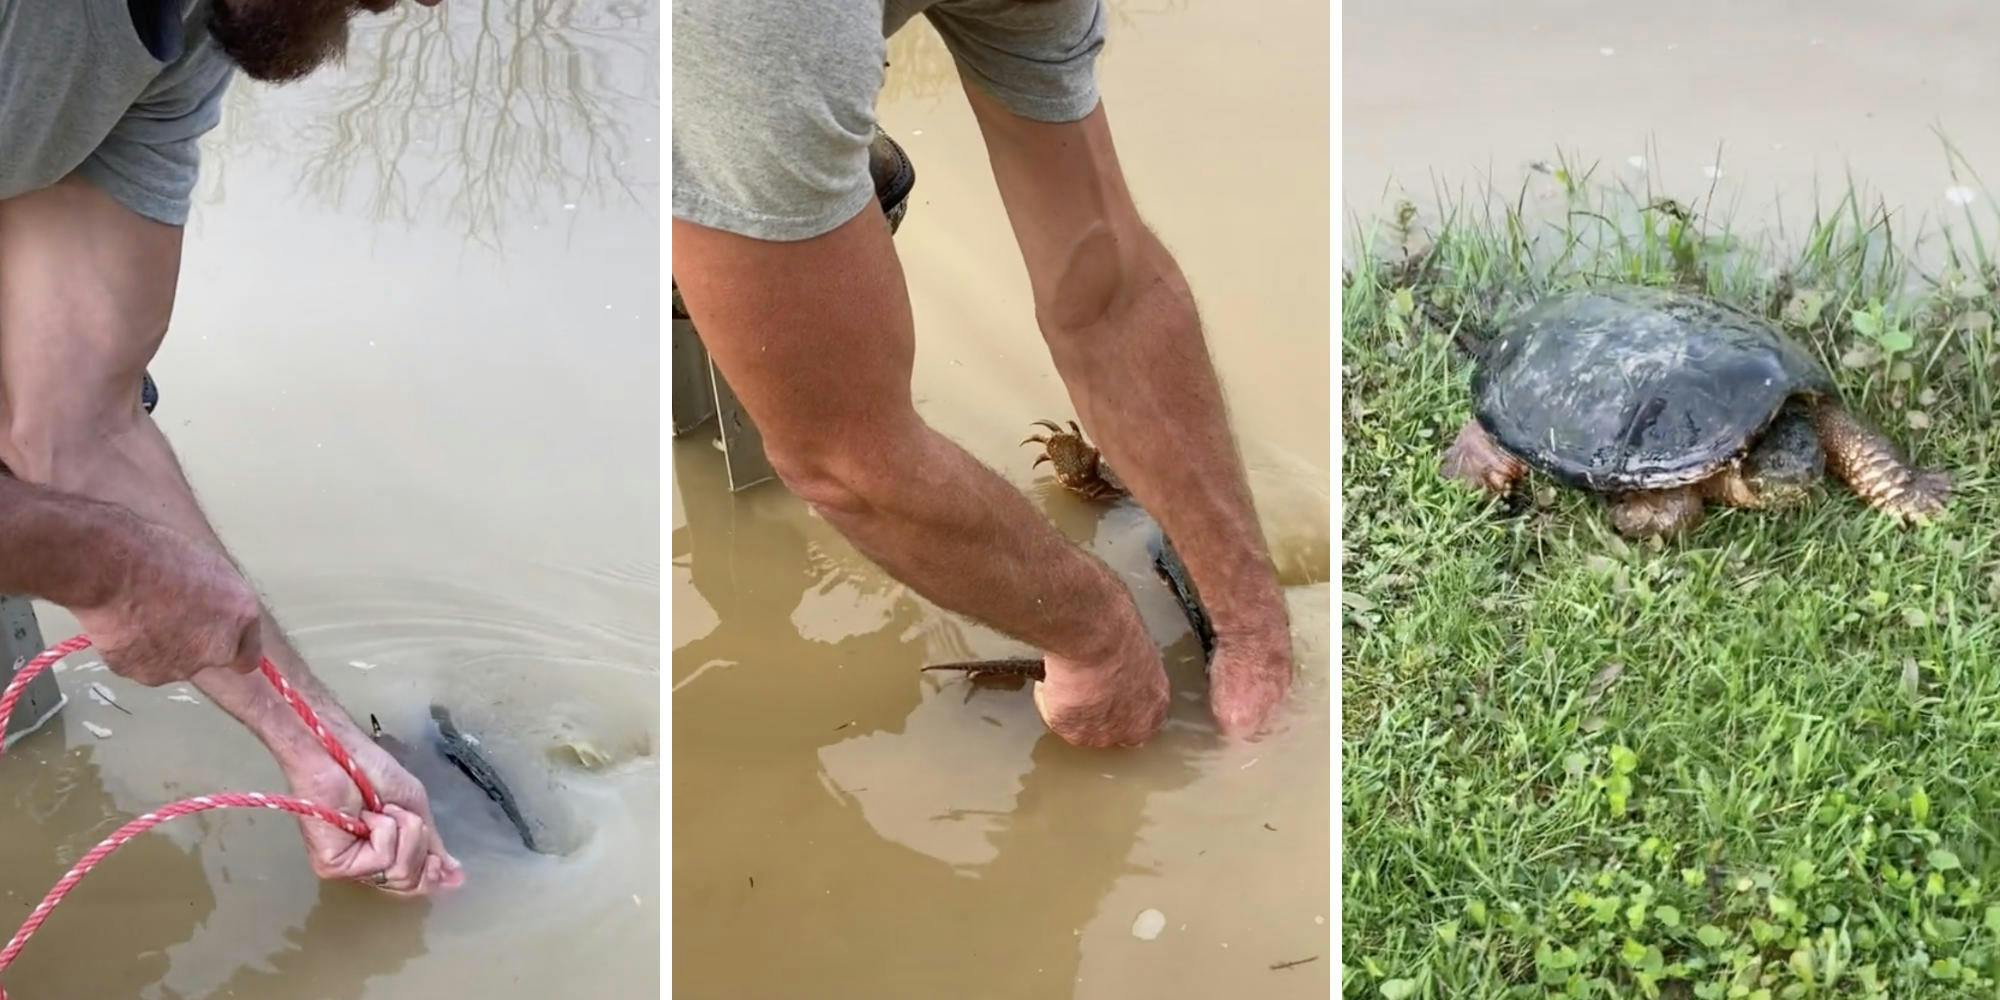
[282, 40]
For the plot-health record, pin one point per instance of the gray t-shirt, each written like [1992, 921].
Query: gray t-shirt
[774, 101]
[117, 90]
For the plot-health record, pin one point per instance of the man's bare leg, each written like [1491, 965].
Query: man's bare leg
[86, 292]
[817, 340]
[1121, 326]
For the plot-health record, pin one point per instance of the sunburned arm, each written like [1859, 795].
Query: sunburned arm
[60, 548]
[1121, 327]
[817, 340]
[86, 290]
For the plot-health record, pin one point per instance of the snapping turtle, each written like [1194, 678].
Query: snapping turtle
[1663, 401]
[463, 752]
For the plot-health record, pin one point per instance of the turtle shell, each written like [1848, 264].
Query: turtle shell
[1630, 388]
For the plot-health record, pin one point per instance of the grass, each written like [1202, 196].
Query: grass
[1762, 762]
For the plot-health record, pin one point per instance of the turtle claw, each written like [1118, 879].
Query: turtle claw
[1077, 465]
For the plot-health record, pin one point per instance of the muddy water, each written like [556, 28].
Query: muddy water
[413, 376]
[844, 827]
[1790, 93]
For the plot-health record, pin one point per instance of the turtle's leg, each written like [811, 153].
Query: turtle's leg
[1657, 513]
[1730, 489]
[1477, 460]
[1866, 460]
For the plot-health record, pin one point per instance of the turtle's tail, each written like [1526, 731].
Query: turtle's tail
[1868, 462]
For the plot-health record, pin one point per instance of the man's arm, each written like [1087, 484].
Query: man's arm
[59, 548]
[817, 340]
[165, 603]
[86, 291]
[1121, 326]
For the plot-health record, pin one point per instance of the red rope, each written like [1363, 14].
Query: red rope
[185, 807]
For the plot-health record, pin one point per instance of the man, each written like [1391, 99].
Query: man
[101, 105]
[785, 264]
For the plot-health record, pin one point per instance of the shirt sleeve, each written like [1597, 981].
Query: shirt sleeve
[774, 107]
[151, 159]
[1039, 60]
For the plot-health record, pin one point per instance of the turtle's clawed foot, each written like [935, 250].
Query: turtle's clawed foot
[1656, 514]
[1076, 463]
[1923, 498]
[1476, 460]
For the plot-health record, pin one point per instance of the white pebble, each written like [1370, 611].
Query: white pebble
[101, 732]
[1711, 171]
[1959, 194]
[1637, 162]
[360, 665]
[1149, 925]
[1605, 51]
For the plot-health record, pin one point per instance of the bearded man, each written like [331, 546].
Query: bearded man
[102, 103]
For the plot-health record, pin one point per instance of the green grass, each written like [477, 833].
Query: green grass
[1761, 762]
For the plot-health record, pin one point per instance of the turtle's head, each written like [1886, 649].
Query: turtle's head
[1785, 463]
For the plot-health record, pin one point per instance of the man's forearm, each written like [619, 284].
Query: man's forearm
[965, 539]
[817, 340]
[72, 551]
[58, 547]
[138, 471]
[1140, 376]
[1121, 326]
[255, 703]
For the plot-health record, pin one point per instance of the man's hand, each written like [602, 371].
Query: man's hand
[180, 608]
[1119, 701]
[404, 845]
[1248, 678]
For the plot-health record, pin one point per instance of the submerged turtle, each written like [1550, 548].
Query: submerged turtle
[1663, 401]
[463, 752]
